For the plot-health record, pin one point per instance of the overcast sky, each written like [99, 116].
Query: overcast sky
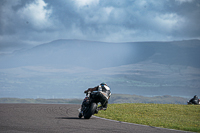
[33, 22]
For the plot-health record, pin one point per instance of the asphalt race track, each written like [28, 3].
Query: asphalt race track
[62, 118]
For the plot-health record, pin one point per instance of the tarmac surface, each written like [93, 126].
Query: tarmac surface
[62, 118]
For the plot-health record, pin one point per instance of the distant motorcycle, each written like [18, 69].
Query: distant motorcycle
[190, 103]
[89, 107]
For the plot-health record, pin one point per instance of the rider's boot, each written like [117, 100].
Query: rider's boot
[80, 114]
[101, 108]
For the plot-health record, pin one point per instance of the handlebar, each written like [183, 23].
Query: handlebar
[88, 93]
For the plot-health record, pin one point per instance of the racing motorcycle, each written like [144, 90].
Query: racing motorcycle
[89, 107]
[190, 103]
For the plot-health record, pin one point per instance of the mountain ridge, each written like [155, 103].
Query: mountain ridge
[82, 53]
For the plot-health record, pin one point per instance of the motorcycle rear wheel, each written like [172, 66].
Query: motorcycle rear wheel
[90, 111]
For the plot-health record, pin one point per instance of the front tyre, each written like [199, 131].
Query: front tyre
[90, 111]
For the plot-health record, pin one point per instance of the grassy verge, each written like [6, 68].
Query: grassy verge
[173, 116]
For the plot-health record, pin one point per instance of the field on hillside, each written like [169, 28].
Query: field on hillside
[173, 116]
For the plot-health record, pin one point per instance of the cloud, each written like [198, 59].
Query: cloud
[184, 1]
[81, 3]
[39, 21]
[36, 14]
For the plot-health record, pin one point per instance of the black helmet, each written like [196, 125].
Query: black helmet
[103, 83]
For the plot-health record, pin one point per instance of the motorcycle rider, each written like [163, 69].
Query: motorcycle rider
[194, 100]
[102, 95]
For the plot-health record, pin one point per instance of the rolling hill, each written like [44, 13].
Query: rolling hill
[64, 68]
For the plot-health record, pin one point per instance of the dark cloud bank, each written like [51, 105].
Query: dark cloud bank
[35, 22]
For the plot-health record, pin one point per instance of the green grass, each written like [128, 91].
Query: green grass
[173, 116]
